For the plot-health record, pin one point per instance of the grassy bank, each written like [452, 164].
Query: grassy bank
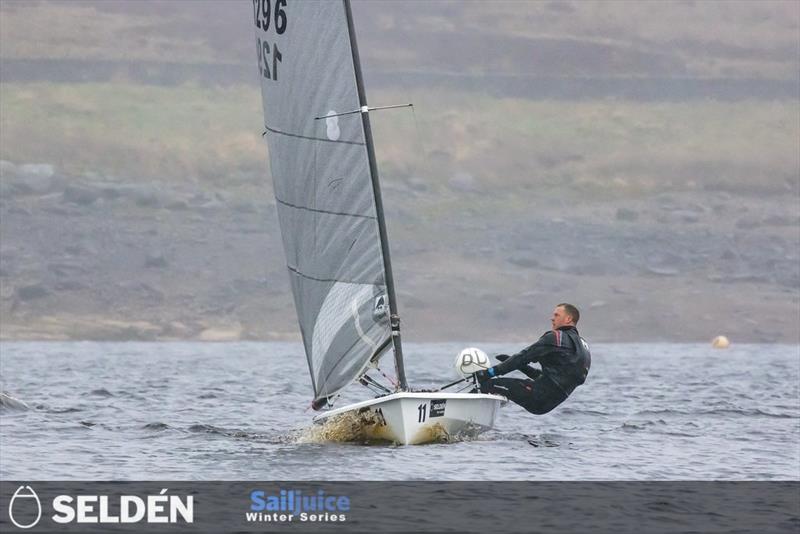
[129, 131]
[621, 147]
[212, 135]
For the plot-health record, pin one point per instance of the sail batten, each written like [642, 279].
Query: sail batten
[316, 210]
[328, 202]
[289, 134]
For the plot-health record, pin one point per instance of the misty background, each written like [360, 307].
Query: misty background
[638, 159]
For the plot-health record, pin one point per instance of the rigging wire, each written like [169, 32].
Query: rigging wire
[419, 168]
[370, 386]
[369, 381]
[391, 380]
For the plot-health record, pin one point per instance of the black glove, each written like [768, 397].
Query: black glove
[502, 357]
[481, 376]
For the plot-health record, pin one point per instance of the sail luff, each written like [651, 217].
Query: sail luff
[373, 167]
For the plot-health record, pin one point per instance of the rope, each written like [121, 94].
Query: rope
[391, 380]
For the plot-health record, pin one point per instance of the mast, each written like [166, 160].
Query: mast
[376, 188]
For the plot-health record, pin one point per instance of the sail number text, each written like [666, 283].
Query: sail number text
[422, 411]
[269, 14]
[264, 60]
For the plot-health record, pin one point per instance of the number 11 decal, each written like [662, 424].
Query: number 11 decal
[423, 411]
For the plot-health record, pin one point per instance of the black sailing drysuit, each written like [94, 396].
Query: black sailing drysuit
[565, 360]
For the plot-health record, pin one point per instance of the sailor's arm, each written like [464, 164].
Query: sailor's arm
[529, 370]
[527, 355]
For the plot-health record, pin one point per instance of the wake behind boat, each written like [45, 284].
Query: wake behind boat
[330, 211]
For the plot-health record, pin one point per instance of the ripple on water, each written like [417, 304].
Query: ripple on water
[218, 431]
[57, 410]
[581, 411]
[101, 392]
[156, 427]
[543, 442]
[746, 412]
[205, 429]
[642, 425]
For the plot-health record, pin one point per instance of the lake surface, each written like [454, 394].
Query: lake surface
[239, 411]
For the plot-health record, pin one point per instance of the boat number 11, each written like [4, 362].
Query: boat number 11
[422, 410]
[269, 15]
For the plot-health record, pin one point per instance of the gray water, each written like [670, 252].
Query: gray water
[237, 411]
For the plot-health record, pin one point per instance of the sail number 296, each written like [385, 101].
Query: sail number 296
[269, 14]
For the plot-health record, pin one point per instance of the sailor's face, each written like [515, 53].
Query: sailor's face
[560, 318]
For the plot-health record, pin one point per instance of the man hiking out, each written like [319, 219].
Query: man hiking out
[565, 360]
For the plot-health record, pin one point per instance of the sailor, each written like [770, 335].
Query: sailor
[564, 358]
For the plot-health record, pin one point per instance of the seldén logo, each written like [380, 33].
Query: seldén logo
[102, 509]
[23, 501]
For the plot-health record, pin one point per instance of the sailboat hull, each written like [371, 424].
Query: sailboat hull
[410, 418]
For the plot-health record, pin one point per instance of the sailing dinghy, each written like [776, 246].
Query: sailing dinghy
[330, 212]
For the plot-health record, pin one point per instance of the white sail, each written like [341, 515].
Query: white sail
[324, 187]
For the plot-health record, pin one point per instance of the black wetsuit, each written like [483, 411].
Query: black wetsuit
[565, 360]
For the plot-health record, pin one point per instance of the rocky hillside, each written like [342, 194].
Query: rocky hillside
[639, 160]
[99, 259]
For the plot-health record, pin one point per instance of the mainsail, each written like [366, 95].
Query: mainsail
[326, 190]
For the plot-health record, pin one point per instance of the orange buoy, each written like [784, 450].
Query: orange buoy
[720, 342]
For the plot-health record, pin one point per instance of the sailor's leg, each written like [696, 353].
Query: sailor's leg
[537, 396]
[514, 389]
[543, 396]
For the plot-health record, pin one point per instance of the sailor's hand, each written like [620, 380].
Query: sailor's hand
[481, 376]
[502, 357]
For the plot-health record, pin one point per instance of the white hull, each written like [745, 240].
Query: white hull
[416, 418]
